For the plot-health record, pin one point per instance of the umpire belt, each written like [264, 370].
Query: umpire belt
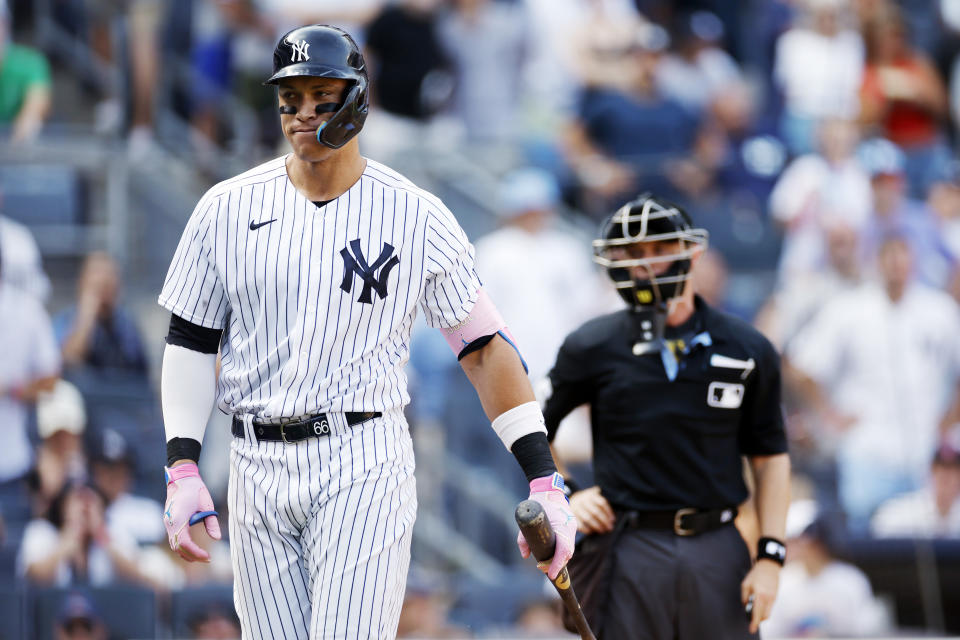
[683, 522]
[312, 427]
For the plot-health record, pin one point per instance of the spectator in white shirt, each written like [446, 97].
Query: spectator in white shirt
[931, 511]
[799, 299]
[72, 544]
[817, 192]
[818, 66]
[539, 273]
[878, 366]
[112, 464]
[30, 364]
[541, 276]
[22, 266]
[820, 596]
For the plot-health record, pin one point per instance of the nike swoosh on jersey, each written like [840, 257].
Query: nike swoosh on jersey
[256, 225]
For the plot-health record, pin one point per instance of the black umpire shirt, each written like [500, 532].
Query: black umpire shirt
[660, 444]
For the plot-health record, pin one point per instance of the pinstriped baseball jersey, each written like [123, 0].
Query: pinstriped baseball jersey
[317, 302]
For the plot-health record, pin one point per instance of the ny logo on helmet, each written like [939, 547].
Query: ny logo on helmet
[299, 51]
[356, 264]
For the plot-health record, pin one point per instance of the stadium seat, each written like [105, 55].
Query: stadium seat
[127, 611]
[897, 567]
[8, 563]
[43, 194]
[12, 612]
[16, 510]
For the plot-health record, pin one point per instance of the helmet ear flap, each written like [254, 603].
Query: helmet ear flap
[348, 120]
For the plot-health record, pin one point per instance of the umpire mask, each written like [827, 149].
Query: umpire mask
[638, 240]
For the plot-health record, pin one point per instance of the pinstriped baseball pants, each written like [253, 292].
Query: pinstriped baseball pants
[320, 530]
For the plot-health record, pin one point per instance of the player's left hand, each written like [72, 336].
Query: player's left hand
[188, 502]
[561, 518]
[761, 583]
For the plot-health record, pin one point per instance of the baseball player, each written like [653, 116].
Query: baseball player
[678, 392]
[306, 274]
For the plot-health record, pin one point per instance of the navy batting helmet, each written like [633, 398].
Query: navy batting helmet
[648, 219]
[323, 51]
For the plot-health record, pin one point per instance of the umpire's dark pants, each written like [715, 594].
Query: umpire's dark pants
[668, 587]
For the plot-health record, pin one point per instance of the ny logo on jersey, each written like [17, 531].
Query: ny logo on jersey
[357, 264]
[299, 50]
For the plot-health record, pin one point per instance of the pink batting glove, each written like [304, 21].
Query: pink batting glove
[548, 491]
[188, 502]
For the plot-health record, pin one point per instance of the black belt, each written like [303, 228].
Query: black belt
[683, 522]
[312, 427]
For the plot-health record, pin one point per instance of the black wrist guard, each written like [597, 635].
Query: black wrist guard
[532, 451]
[182, 449]
[771, 549]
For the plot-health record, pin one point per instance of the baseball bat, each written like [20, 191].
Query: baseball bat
[539, 534]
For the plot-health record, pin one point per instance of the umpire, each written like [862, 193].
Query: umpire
[678, 392]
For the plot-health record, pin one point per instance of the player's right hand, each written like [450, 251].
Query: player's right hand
[593, 512]
[561, 519]
[187, 500]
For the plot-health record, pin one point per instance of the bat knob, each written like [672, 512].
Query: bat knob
[536, 529]
[528, 511]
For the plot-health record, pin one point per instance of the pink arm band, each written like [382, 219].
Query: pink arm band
[484, 320]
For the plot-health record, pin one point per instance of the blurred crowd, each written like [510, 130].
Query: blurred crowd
[817, 141]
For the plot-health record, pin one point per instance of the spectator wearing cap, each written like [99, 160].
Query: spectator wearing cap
[78, 620]
[818, 66]
[25, 86]
[878, 367]
[112, 465]
[624, 133]
[893, 211]
[61, 421]
[931, 511]
[819, 595]
[536, 269]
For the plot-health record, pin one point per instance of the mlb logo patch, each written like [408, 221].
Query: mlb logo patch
[725, 395]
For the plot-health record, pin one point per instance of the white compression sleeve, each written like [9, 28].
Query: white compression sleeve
[188, 390]
[523, 419]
